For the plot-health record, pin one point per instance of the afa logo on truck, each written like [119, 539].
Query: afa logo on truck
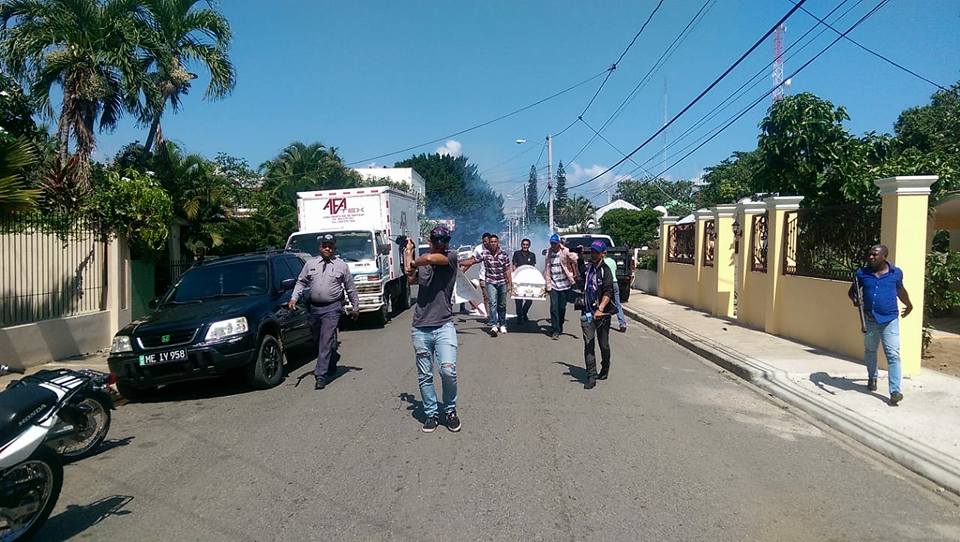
[342, 213]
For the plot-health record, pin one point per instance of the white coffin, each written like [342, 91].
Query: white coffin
[528, 283]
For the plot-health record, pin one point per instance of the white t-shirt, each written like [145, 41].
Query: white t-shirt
[478, 254]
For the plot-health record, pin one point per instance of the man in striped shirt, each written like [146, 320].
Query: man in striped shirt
[560, 274]
[498, 282]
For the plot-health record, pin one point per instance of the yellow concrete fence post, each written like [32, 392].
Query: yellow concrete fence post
[665, 223]
[706, 283]
[777, 208]
[746, 210]
[903, 229]
[724, 259]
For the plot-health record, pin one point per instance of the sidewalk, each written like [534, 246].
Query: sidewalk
[96, 361]
[923, 433]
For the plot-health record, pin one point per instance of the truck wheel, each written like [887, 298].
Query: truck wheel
[624, 291]
[266, 371]
[404, 302]
[130, 392]
[386, 310]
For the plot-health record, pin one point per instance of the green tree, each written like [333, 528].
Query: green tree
[805, 150]
[86, 47]
[15, 155]
[458, 191]
[560, 194]
[730, 180]
[576, 212]
[631, 228]
[679, 197]
[184, 35]
[532, 195]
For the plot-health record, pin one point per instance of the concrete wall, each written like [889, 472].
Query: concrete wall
[646, 280]
[59, 338]
[818, 311]
[678, 283]
[752, 304]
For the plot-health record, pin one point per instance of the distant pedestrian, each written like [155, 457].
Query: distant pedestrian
[326, 278]
[560, 274]
[598, 305]
[477, 257]
[520, 258]
[621, 319]
[499, 281]
[882, 283]
[433, 333]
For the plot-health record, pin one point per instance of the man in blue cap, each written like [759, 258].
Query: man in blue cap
[433, 333]
[598, 305]
[559, 274]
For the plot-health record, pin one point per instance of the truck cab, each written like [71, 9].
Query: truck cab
[626, 265]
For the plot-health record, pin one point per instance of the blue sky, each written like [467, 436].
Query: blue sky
[370, 77]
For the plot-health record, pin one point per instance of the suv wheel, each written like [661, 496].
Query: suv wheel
[266, 371]
[404, 302]
[386, 310]
[624, 291]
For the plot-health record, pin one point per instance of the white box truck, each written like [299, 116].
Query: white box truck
[365, 221]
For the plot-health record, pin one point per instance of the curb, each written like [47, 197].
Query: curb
[916, 456]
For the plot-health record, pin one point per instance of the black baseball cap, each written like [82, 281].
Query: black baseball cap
[326, 238]
[440, 234]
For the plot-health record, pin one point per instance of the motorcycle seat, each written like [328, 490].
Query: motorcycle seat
[21, 405]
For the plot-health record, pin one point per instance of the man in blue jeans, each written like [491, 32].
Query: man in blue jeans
[433, 334]
[498, 282]
[882, 284]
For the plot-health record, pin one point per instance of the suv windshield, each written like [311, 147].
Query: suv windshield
[221, 280]
[352, 246]
[575, 241]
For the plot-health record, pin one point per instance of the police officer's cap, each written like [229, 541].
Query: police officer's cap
[326, 238]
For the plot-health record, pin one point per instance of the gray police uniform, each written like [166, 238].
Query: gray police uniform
[325, 282]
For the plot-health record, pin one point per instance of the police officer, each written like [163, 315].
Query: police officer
[326, 278]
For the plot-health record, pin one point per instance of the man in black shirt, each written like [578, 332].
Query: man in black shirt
[523, 257]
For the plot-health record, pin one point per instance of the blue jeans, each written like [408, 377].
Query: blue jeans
[889, 334]
[616, 298]
[437, 344]
[497, 304]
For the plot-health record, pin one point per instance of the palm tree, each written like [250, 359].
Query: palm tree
[183, 35]
[14, 196]
[577, 211]
[86, 47]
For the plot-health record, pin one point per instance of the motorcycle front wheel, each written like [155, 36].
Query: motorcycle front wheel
[28, 493]
[93, 428]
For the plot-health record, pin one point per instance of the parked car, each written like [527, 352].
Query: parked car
[464, 252]
[222, 315]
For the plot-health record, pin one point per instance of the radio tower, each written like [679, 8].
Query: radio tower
[778, 62]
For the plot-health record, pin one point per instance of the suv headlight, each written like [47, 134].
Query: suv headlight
[121, 343]
[227, 328]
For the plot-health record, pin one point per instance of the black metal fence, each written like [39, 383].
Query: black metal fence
[51, 266]
[829, 242]
[758, 247]
[709, 242]
[683, 243]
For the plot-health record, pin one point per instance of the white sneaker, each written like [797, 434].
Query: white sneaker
[503, 329]
[494, 330]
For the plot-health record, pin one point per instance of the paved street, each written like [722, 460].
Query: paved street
[668, 449]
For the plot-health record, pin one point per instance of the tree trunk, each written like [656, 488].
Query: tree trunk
[152, 135]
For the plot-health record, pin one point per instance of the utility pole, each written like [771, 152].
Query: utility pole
[526, 203]
[550, 179]
[777, 74]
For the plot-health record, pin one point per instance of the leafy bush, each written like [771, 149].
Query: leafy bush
[648, 262]
[134, 205]
[943, 281]
[631, 228]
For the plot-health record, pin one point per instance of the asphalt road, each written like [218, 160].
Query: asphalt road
[669, 448]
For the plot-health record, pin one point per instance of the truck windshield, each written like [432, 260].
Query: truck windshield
[352, 246]
[214, 281]
[575, 241]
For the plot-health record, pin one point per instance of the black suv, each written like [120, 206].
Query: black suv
[221, 315]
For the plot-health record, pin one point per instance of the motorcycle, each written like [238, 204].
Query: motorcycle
[46, 418]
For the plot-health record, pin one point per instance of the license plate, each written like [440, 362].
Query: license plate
[163, 357]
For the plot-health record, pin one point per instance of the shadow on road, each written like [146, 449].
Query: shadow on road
[341, 370]
[415, 407]
[825, 382]
[110, 444]
[76, 519]
[579, 374]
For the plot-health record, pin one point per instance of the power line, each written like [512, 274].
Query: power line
[876, 54]
[769, 92]
[756, 79]
[674, 45]
[623, 54]
[482, 124]
[699, 96]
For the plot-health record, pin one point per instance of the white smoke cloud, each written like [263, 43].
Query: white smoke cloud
[577, 174]
[451, 148]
